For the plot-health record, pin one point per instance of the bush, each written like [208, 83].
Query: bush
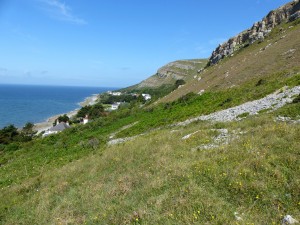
[297, 99]
[260, 82]
[179, 82]
[12, 147]
[227, 100]
[8, 134]
[186, 98]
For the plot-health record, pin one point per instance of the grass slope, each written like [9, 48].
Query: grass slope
[277, 54]
[159, 178]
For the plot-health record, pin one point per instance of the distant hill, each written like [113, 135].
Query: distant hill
[168, 74]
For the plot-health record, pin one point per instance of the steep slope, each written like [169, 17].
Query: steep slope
[168, 74]
[277, 55]
[201, 172]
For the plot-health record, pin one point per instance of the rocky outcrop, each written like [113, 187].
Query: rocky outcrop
[174, 69]
[270, 102]
[288, 12]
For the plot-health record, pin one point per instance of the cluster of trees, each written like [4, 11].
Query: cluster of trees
[63, 118]
[11, 134]
[110, 99]
[93, 111]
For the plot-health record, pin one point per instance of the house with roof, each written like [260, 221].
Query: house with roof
[115, 106]
[57, 128]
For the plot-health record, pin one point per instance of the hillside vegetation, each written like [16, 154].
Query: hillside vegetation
[244, 171]
[278, 54]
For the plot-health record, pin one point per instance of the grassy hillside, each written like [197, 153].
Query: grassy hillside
[279, 53]
[202, 173]
[157, 178]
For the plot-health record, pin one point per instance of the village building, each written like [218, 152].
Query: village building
[85, 119]
[56, 129]
[116, 93]
[115, 106]
[146, 96]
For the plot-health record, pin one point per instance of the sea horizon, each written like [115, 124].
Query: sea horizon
[22, 103]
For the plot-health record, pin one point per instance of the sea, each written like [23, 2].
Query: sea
[20, 104]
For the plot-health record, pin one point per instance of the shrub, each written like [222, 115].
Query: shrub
[260, 82]
[227, 100]
[12, 147]
[179, 82]
[245, 114]
[186, 98]
[297, 99]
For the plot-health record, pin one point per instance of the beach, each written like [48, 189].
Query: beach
[43, 126]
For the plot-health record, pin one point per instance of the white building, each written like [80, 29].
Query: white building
[85, 119]
[116, 93]
[115, 106]
[146, 96]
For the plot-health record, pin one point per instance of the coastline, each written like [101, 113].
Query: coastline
[48, 123]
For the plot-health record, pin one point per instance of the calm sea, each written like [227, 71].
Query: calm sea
[20, 104]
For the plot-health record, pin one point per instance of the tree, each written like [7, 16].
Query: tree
[179, 82]
[96, 111]
[8, 133]
[28, 132]
[84, 111]
[60, 119]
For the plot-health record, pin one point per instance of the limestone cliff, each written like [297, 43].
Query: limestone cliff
[288, 12]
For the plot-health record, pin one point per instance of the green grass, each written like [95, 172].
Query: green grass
[194, 105]
[243, 115]
[157, 179]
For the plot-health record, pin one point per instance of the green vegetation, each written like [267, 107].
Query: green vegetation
[276, 54]
[75, 177]
[192, 104]
[63, 118]
[155, 179]
[11, 137]
[158, 177]
[243, 115]
[110, 99]
[93, 111]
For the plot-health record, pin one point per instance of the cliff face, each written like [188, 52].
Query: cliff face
[288, 12]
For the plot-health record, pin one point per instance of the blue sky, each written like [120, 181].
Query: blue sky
[113, 43]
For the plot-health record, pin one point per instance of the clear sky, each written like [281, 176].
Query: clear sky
[113, 43]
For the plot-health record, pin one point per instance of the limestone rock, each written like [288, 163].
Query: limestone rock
[259, 30]
[288, 219]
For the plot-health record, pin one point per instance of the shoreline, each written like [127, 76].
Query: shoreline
[48, 123]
